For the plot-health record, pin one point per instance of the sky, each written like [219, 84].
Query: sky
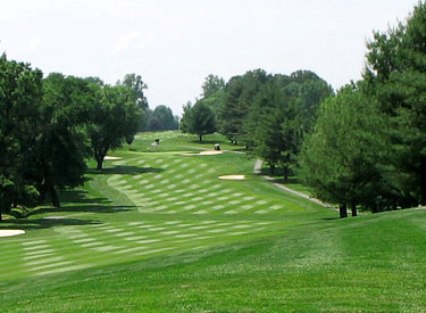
[175, 44]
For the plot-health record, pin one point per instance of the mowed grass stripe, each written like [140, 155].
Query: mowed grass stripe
[142, 196]
[77, 252]
[174, 196]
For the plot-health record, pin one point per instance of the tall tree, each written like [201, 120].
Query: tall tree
[200, 120]
[60, 147]
[342, 158]
[213, 93]
[282, 113]
[265, 124]
[114, 118]
[161, 119]
[136, 84]
[396, 76]
[185, 121]
[240, 93]
[20, 99]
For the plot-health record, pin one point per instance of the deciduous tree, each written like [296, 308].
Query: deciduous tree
[113, 118]
[200, 120]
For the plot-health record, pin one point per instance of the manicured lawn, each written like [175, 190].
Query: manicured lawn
[159, 232]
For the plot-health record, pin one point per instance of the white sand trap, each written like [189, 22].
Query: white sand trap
[233, 177]
[211, 152]
[202, 153]
[111, 158]
[54, 217]
[11, 232]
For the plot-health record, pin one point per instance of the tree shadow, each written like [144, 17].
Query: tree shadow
[75, 201]
[44, 223]
[280, 180]
[95, 208]
[331, 218]
[125, 170]
[206, 142]
[80, 196]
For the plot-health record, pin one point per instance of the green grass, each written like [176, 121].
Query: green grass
[159, 232]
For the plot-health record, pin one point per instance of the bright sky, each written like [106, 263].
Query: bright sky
[175, 44]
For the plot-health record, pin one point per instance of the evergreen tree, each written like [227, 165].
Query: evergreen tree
[396, 76]
[342, 158]
[240, 93]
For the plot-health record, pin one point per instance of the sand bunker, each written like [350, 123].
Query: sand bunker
[233, 177]
[203, 153]
[54, 217]
[11, 232]
[211, 152]
[111, 158]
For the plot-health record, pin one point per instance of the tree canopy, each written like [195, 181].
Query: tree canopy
[161, 118]
[199, 119]
[20, 101]
[50, 126]
[114, 117]
[367, 148]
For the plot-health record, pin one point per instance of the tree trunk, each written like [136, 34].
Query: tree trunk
[353, 209]
[342, 210]
[286, 173]
[272, 169]
[54, 196]
[42, 192]
[99, 163]
[1, 219]
[423, 182]
[201, 137]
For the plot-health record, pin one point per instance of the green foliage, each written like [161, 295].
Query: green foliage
[137, 86]
[240, 92]
[368, 145]
[396, 76]
[212, 85]
[114, 117]
[199, 119]
[60, 147]
[281, 114]
[45, 127]
[341, 159]
[186, 118]
[213, 94]
[20, 99]
[161, 119]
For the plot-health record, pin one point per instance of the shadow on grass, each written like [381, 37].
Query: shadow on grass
[206, 142]
[331, 218]
[80, 196]
[75, 201]
[280, 180]
[44, 223]
[95, 208]
[125, 170]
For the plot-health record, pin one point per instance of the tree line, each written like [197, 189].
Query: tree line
[363, 146]
[50, 126]
[368, 148]
[268, 113]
